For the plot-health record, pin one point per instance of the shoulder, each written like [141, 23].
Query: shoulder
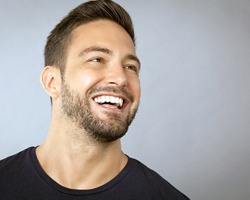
[154, 182]
[16, 174]
[15, 162]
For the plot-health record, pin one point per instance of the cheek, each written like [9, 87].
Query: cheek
[86, 80]
[136, 89]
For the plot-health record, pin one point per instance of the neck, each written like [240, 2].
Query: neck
[76, 161]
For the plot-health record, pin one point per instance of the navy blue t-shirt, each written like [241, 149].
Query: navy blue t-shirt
[22, 178]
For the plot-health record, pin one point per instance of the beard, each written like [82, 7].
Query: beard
[78, 111]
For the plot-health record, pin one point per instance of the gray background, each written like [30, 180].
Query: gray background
[194, 120]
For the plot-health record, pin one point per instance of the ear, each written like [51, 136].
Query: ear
[50, 79]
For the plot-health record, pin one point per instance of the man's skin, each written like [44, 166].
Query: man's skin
[70, 155]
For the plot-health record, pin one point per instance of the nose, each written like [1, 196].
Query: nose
[115, 75]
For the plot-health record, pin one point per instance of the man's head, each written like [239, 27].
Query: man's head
[58, 41]
[98, 88]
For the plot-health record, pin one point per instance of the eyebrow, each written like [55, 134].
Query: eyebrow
[95, 48]
[109, 52]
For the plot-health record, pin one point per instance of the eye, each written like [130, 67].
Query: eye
[97, 60]
[132, 68]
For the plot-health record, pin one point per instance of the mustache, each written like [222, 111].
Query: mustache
[117, 90]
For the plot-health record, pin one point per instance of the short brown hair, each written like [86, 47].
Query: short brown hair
[60, 37]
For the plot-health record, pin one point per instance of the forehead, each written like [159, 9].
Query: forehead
[101, 32]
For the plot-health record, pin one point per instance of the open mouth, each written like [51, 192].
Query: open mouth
[110, 100]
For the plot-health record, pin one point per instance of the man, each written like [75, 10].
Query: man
[91, 74]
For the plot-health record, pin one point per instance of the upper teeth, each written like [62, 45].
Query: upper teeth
[109, 99]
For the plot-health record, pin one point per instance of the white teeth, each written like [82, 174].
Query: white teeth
[102, 99]
[109, 99]
[120, 102]
[112, 99]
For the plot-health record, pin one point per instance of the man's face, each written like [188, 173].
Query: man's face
[101, 87]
